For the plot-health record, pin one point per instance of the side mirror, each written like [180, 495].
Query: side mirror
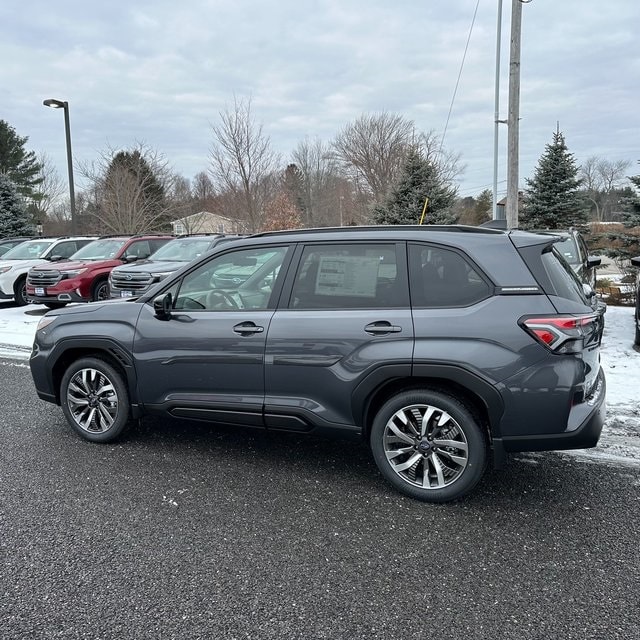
[593, 261]
[130, 257]
[635, 261]
[56, 258]
[162, 306]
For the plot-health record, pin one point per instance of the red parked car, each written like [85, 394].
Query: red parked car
[84, 277]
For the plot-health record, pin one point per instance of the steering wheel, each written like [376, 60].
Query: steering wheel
[216, 297]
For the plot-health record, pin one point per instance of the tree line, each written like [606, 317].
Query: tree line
[378, 169]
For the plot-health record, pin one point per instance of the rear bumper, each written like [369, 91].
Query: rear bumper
[585, 426]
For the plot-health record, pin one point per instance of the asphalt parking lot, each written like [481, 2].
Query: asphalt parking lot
[184, 530]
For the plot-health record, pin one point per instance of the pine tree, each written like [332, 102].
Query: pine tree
[631, 214]
[552, 199]
[482, 210]
[21, 166]
[419, 180]
[14, 218]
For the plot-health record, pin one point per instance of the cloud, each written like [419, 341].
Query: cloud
[161, 72]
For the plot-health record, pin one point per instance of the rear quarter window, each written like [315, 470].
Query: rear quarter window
[562, 277]
[440, 277]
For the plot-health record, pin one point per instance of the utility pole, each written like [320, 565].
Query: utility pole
[496, 121]
[514, 115]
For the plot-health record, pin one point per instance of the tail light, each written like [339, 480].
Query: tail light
[561, 334]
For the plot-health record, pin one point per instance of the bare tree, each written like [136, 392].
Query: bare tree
[128, 191]
[448, 163]
[242, 160]
[372, 151]
[602, 180]
[52, 191]
[323, 189]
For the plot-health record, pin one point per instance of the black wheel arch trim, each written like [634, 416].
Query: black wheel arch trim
[95, 346]
[385, 375]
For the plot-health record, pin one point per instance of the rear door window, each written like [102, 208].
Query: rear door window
[349, 276]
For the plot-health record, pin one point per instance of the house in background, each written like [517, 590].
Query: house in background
[206, 222]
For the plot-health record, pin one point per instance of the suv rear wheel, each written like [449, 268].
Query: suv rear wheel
[94, 399]
[429, 445]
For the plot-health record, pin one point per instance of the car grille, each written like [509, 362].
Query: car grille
[127, 281]
[43, 278]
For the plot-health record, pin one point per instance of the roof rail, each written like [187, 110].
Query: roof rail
[460, 228]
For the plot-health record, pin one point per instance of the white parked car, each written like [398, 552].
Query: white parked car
[16, 263]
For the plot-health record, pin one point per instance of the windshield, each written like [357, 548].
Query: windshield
[182, 250]
[28, 250]
[100, 249]
[569, 250]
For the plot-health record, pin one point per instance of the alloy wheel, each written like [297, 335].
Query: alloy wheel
[425, 446]
[92, 400]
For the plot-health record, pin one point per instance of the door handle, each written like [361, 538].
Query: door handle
[382, 327]
[247, 328]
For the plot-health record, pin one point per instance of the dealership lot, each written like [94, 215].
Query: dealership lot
[186, 530]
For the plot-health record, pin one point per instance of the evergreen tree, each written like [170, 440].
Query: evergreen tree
[14, 218]
[484, 205]
[420, 179]
[21, 166]
[552, 199]
[631, 214]
[294, 184]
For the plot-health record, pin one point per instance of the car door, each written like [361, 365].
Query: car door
[205, 359]
[343, 321]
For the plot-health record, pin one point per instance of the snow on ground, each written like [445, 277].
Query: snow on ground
[620, 440]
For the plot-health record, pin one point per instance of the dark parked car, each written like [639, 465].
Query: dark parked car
[574, 249]
[130, 280]
[442, 347]
[636, 263]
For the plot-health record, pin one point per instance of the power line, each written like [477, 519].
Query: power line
[455, 91]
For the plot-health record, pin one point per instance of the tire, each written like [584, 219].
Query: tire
[100, 291]
[54, 305]
[439, 462]
[20, 291]
[636, 320]
[95, 400]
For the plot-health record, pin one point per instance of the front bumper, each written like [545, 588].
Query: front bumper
[64, 297]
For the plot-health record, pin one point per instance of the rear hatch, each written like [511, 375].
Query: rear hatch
[577, 328]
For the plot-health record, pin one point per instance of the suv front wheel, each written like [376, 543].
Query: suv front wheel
[429, 445]
[94, 399]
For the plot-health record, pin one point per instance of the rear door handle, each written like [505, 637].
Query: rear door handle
[382, 327]
[246, 328]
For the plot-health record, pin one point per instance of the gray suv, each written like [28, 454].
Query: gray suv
[442, 347]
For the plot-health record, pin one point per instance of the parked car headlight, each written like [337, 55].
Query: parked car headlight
[73, 273]
[5, 269]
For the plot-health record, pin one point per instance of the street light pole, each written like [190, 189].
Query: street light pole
[63, 104]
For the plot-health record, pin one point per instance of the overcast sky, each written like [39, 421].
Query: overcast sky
[160, 72]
